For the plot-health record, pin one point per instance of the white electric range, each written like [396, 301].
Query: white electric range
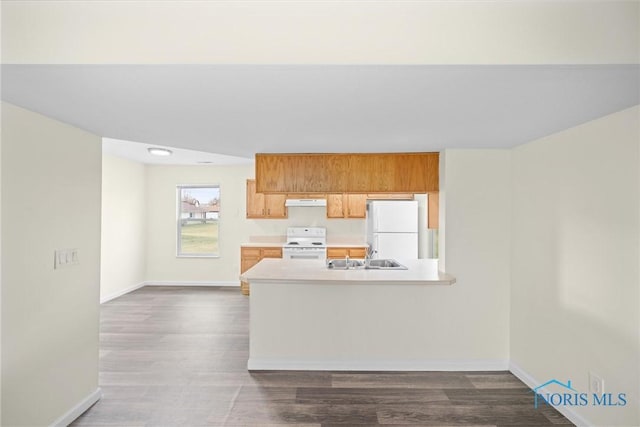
[305, 243]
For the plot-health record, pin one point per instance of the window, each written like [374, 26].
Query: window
[198, 212]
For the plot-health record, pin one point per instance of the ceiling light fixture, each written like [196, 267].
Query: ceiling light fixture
[159, 151]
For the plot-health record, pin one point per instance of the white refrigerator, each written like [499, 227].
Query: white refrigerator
[392, 228]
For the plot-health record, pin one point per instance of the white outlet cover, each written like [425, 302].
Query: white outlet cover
[596, 383]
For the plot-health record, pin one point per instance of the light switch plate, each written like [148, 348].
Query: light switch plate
[63, 258]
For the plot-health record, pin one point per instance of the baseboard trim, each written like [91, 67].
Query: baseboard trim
[255, 364]
[193, 283]
[122, 292]
[532, 383]
[79, 409]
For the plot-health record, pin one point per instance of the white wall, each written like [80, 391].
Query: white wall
[163, 265]
[124, 219]
[50, 199]
[471, 318]
[575, 276]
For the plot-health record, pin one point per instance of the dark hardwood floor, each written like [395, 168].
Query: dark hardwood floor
[177, 357]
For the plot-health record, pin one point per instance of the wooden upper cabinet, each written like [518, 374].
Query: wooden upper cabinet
[356, 205]
[274, 205]
[255, 201]
[335, 205]
[347, 173]
[264, 205]
[293, 173]
[346, 205]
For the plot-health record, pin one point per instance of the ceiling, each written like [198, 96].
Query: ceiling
[239, 110]
[139, 152]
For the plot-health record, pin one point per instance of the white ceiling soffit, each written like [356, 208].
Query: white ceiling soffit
[139, 152]
[244, 109]
[320, 32]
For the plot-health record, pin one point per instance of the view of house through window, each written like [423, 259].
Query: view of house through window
[198, 212]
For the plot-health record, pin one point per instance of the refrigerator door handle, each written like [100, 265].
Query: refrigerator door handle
[375, 246]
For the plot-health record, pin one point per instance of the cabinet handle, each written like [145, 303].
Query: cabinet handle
[262, 211]
[268, 211]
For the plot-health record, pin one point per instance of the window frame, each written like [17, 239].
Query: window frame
[179, 189]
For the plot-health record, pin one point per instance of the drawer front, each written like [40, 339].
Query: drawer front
[246, 252]
[337, 252]
[271, 252]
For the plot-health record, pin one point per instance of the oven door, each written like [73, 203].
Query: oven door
[304, 253]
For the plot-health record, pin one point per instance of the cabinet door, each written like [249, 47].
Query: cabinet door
[255, 201]
[274, 205]
[357, 252]
[432, 210]
[335, 206]
[356, 205]
[337, 252]
[249, 257]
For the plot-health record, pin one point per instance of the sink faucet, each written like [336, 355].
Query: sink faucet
[368, 255]
[346, 262]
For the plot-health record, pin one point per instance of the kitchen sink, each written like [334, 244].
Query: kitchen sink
[344, 264]
[385, 264]
[359, 264]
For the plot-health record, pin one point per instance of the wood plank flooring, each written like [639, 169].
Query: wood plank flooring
[174, 356]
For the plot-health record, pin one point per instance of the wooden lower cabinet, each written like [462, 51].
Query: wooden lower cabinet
[250, 256]
[352, 252]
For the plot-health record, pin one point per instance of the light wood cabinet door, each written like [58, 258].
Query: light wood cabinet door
[343, 252]
[356, 205]
[357, 253]
[337, 252]
[433, 201]
[335, 205]
[264, 205]
[274, 205]
[255, 201]
[346, 205]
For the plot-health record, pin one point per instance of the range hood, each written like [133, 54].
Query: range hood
[306, 202]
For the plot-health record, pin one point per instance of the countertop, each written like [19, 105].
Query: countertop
[420, 271]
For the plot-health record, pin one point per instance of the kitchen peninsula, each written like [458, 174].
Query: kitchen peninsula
[305, 316]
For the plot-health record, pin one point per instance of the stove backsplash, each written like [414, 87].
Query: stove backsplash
[276, 229]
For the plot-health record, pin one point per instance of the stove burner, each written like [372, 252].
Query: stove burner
[316, 243]
[293, 243]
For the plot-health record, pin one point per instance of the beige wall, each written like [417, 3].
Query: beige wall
[50, 199]
[329, 32]
[124, 219]
[471, 318]
[575, 276]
